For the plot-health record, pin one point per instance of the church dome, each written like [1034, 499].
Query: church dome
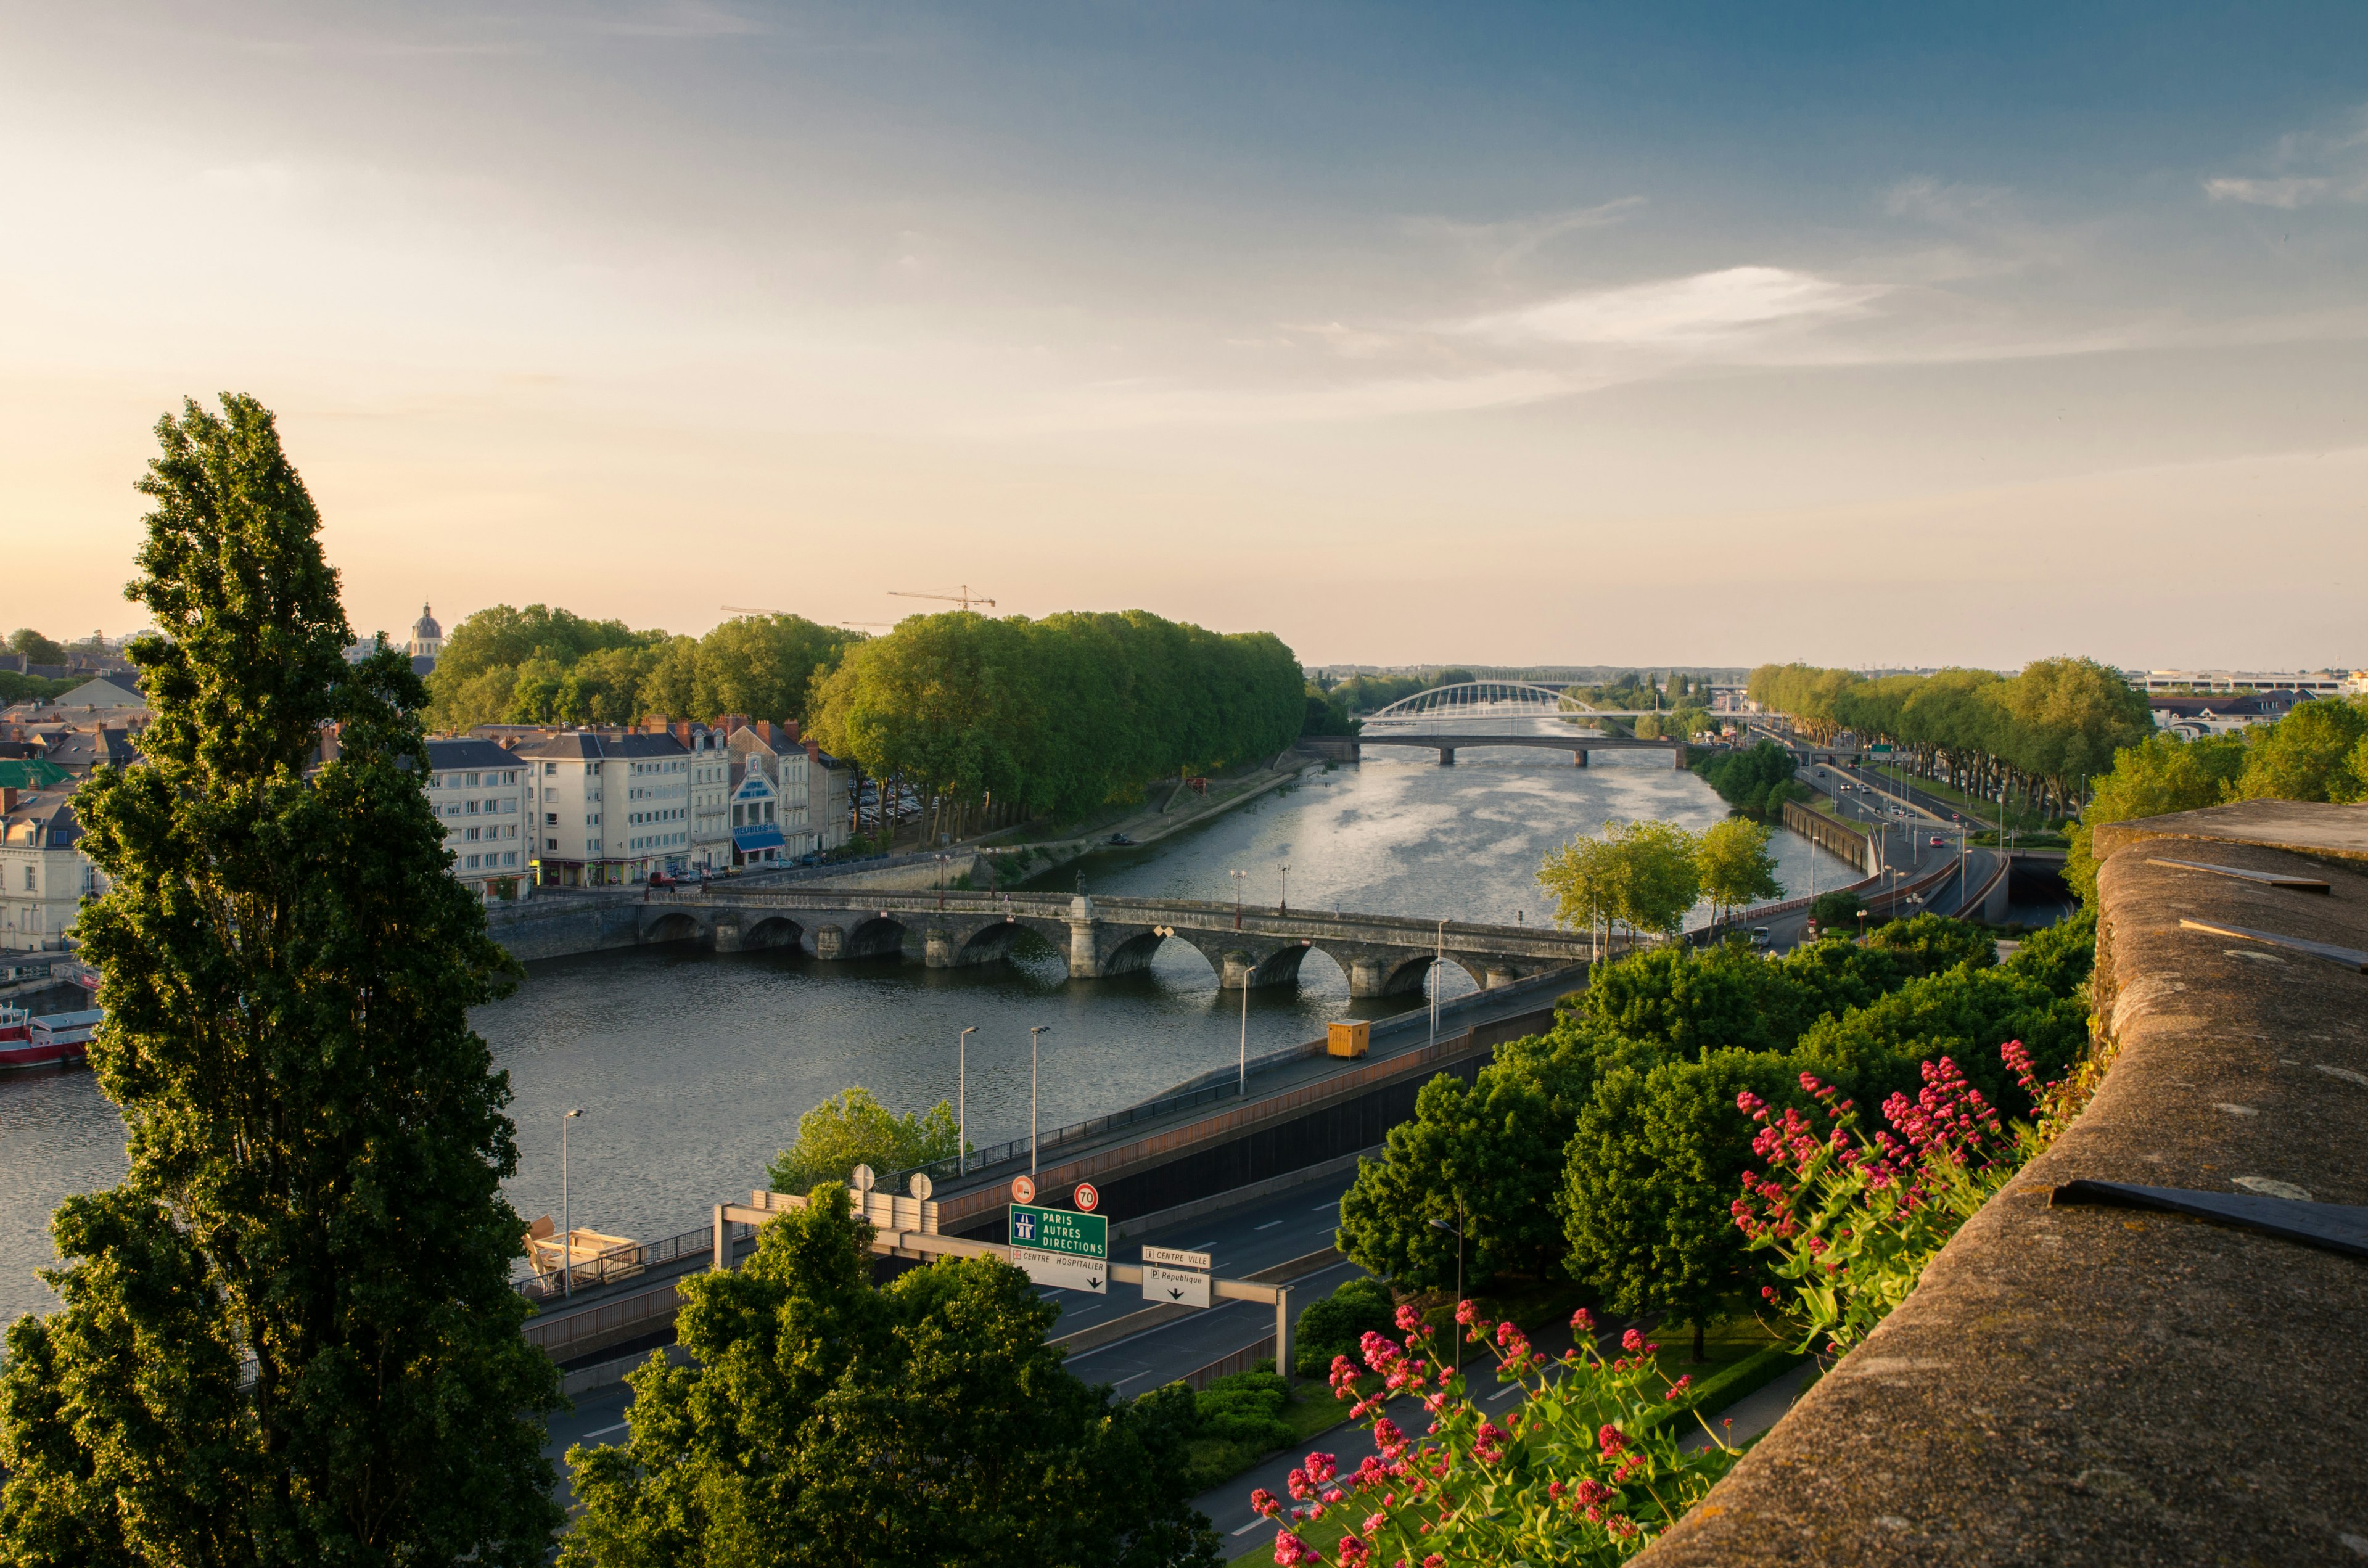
[424, 628]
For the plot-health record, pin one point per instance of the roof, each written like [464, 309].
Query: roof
[46, 820]
[80, 750]
[426, 625]
[445, 756]
[31, 773]
[102, 692]
[584, 745]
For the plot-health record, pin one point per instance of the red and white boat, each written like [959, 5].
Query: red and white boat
[30, 1041]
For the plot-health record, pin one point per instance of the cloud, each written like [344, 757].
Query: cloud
[1703, 311]
[2307, 168]
[1506, 243]
[2288, 193]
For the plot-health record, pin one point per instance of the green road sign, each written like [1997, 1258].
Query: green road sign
[1880, 751]
[1060, 1230]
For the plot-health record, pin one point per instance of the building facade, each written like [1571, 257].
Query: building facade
[479, 792]
[43, 876]
[608, 809]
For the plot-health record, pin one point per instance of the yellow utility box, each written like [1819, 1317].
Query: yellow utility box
[1352, 1038]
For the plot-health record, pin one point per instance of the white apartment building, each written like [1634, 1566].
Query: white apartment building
[608, 809]
[480, 792]
[711, 800]
[43, 876]
[2315, 683]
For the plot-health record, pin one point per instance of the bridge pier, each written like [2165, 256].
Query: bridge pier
[1500, 976]
[937, 949]
[830, 942]
[1677, 756]
[1447, 756]
[1579, 759]
[729, 938]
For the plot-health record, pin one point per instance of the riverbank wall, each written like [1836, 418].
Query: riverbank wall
[1834, 837]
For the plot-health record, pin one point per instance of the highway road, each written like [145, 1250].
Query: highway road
[1243, 1240]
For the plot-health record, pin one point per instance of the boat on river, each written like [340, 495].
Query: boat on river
[26, 1040]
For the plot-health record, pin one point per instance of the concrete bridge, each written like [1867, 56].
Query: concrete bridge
[1382, 955]
[1350, 748]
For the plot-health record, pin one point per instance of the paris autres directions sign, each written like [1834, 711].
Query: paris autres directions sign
[1061, 1247]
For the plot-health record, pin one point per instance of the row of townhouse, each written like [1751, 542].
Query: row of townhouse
[613, 808]
[43, 876]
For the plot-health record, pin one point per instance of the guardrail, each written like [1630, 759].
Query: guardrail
[618, 1264]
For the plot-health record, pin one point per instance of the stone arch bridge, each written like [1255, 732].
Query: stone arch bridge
[1382, 955]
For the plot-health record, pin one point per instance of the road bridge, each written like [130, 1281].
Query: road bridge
[1351, 749]
[1382, 955]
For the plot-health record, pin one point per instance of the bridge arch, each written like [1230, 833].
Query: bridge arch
[1496, 699]
[878, 936]
[674, 926]
[992, 942]
[774, 931]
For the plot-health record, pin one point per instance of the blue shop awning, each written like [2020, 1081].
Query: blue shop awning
[746, 839]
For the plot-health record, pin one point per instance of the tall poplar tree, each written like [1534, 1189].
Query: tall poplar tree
[288, 1336]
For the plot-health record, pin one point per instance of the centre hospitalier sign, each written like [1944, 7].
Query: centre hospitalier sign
[1061, 1247]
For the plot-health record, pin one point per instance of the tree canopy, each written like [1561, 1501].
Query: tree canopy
[316, 1136]
[827, 1422]
[857, 1129]
[543, 665]
[1057, 715]
[2041, 733]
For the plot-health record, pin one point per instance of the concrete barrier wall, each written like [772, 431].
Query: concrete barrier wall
[1838, 838]
[550, 925]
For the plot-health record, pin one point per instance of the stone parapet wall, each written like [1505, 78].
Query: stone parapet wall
[2094, 1385]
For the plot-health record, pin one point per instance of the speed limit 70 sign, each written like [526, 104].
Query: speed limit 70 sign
[1086, 1199]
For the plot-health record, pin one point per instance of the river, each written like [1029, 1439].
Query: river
[692, 1070]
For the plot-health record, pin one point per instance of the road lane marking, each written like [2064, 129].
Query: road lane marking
[606, 1430]
[1270, 1225]
[1252, 1525]
[1321, 1207]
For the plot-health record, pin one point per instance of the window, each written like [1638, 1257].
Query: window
[470, 806]
[550, 844]
[473, 781]
[509, 857]
[29, 879]
[549, 768]
[509, 776]
[471, 835]
[471, 862]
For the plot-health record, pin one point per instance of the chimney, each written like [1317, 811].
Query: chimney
[765, 732]
[791, 729]
[7, 798]
[682, 733]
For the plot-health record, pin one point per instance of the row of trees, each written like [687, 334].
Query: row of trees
[1756, 782]
[539, 665]
[2035, 737]
[1059, 715]
[1635, 1087]
[1648, 875]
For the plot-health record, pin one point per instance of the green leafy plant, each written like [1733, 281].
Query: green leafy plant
[856, 1130]
[1335, 1325]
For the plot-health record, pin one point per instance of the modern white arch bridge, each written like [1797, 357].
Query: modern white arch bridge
[1382, 955]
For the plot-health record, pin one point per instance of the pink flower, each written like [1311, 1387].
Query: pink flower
[1289, 1551]
[1320, 1467]
[1265, 1503]
[1611, 1440]
[1465, 1312]
[1409, 1320]
[1300, 1489]
[1434, 1561]
[1387, 1434]
[1631, 1342]
[1592, 1494]
[1555, 1489]
[1679, 1388]
[1582, 1321]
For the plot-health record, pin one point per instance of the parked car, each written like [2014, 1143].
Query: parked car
[1759, 936]
[1936, 841]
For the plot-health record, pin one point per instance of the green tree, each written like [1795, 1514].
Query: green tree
[2309, 754]
[1657, 1157]
[36, 648]
[1659, 876]
[2160, 775]
[1468, 1158]
[1737, 867]
[764, 666]
[857, 1129]
[316, 1137]
[457, 706]
[826, 1422]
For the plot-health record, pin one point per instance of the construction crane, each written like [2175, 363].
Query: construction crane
[964, 598]
[748, 609]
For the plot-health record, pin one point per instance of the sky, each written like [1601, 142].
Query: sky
[1554, 334]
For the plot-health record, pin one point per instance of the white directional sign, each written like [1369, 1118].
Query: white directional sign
[1175, 1259]
[1063, 1270]
[1173, 1287]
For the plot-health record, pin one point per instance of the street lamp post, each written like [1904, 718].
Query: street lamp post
[1040, 1029]
[1238, 898]
[1033, 1033]
[1438, 959]
[567, 1223]
[1456, 1230]
[1245, 1078]
[962, 1099]
[1286, 887]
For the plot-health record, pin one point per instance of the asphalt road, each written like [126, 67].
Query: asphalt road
[1242, 1241]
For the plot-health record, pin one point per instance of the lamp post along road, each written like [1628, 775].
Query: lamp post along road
[1438, 959]
[567, 1223]
[1238, 898]
[962, 1099]
[1032, 1036]
[1243, 1079]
